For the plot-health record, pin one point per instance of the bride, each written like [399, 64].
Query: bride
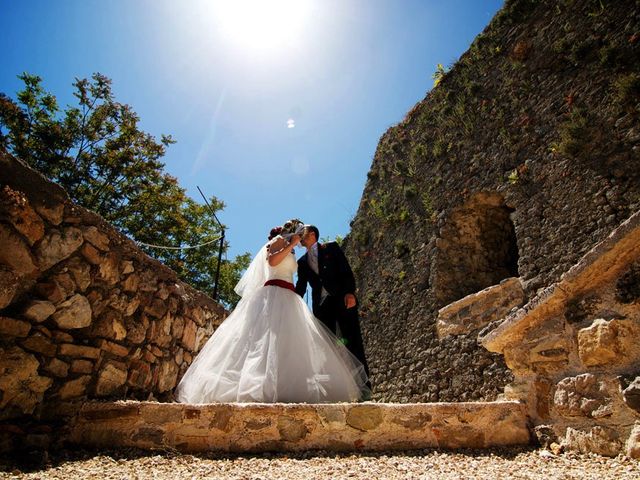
[271, 348]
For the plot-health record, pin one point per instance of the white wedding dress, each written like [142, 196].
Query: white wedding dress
[272, 349]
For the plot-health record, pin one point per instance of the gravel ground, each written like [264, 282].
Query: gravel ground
[521, 463]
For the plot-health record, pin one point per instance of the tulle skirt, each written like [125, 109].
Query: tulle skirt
[272, 349]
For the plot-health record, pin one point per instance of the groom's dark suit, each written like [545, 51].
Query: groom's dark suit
[336, 278]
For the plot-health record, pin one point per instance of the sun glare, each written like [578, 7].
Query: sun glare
[262, 24]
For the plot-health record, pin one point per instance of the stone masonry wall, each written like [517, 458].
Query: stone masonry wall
[83, 312]
[574, 350]
[524, 156]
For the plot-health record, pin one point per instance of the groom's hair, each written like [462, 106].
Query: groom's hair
[314, 229]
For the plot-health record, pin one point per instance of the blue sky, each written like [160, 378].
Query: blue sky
[228, 85]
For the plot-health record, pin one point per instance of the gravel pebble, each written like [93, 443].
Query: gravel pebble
[521, 463]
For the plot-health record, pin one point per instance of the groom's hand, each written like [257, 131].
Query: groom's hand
[349, 300]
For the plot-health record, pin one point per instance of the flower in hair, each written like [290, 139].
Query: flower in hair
[275, 231]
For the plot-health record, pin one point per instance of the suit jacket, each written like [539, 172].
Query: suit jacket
[335, 274]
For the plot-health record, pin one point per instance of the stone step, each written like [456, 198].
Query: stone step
[256, 427]
[479, 309]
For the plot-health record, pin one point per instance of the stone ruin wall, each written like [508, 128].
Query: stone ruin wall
[574, 350]
[523, 158]
[84, 313]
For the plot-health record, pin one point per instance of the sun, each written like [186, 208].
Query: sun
[262, 24]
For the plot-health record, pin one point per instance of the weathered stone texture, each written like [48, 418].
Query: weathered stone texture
[21, 386]
[581, 337]
[73, 313]
[10, 327]
[58, 245]
[609, 342]
[631, 395]
[83, 312]
[38, 310]
[17, 210]
[513, 166]
[296, 427]
[633, 443]
[111, 378]
[15, 252]
[479, 309]
[8, 285]
[585, 395]
[601, 440]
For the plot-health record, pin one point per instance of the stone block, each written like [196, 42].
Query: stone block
[58, 245]
[61, 337]
[631, 395]
[82, 366]
[132, 306]
[79, 351]
[632, 446]
[585, 395]
[65, 282]
[40, 344]
[163, 292]
[299, 427]
[364, 417]
[80, 272]
[189, 335]
[53, 212]
[91, 254]
[18, 212]
[21, 388]
[130, 284]
[601, 440]
[8, 285]
[609, 342]
[108, 268]
[57, 368]
[110, 379]
[156, 309]
[167, 375]
[73, 313]
[479, 309]
[114, 348]
[38, 310]
[109, 325]
[136, 329]
[96, 238]
[177, 327]
[139, 375]
[291, 429]
[126, 267]
[15, 252]
[74, 388]
[10, 327]
[51, 291]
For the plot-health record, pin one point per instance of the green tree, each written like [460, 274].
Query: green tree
[106, 163]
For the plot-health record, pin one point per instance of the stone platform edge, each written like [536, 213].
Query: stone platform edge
[253, 427]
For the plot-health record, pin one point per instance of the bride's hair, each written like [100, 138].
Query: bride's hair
[290, 226]
[275, 231]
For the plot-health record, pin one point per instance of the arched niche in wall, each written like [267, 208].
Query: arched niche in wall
[476, 248]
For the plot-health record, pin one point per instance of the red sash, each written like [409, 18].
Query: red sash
[280, 283]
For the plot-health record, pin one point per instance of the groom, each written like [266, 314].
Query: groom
[327, 270]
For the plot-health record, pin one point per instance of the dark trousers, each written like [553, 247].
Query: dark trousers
[333, 312]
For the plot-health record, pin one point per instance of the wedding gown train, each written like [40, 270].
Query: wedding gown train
[272, 349]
